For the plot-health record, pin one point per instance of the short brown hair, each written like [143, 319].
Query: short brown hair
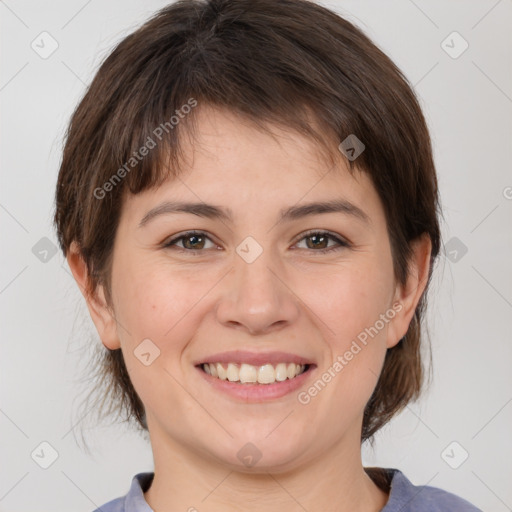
[270, 61]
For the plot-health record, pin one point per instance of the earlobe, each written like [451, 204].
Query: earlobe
[101, 314]
[407, 296]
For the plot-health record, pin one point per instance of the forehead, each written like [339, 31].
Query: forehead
[231, 162]
[225, 139]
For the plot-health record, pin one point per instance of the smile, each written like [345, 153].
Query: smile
[250, 374]
[256, 384]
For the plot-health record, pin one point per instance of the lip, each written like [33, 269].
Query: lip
[253, 393]
[254, 358]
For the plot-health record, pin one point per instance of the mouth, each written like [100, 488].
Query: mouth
[248, 374]
[250, 377]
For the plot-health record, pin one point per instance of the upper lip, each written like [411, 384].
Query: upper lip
[254, 358]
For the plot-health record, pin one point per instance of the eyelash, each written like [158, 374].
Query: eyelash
[342, 243]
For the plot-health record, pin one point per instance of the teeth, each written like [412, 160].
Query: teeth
[281, 372]
[233, 373]
[221, 373]
[247, 373]
[266, 374]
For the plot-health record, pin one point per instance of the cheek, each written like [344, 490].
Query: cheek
[142, 301]
[151, 306]
[351, 301]
[161, 304]
[352, 306]
[154, 305]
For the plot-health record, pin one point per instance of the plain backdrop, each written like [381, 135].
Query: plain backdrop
[457, 437]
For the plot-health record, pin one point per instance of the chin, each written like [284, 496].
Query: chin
[262, 455]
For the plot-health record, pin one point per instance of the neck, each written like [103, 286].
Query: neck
[187, 480]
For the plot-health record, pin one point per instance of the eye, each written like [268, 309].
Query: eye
[196, 241]
[319, 239]
[191, 240]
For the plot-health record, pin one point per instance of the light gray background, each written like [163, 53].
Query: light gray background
[45, 324]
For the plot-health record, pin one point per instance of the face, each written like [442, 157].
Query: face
[310, 287]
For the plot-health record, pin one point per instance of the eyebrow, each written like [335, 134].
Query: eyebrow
[210, 211]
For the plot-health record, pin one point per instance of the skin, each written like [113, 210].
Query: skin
[292, 298]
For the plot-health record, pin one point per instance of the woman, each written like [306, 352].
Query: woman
[248, 202]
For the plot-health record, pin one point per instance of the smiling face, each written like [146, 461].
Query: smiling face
[259, 275]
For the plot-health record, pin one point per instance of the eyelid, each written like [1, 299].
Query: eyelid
[340, 240]
[169, 242]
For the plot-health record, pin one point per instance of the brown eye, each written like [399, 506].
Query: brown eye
[191, 241]
[318, 241]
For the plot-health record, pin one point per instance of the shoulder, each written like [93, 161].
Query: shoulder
[406, 497]
[134, 500]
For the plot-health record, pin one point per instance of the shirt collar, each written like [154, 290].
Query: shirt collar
[400, 492]
[134, 501]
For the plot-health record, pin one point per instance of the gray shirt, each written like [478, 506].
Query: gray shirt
[403, 497]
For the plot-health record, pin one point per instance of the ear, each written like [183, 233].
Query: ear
[101, 314]
[407, 296]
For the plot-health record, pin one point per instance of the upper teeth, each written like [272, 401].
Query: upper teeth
[266, 374]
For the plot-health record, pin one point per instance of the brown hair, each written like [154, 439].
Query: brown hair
[282, 62]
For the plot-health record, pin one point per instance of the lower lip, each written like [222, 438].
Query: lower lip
[257, 392]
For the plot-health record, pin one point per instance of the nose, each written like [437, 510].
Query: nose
[258, 297]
